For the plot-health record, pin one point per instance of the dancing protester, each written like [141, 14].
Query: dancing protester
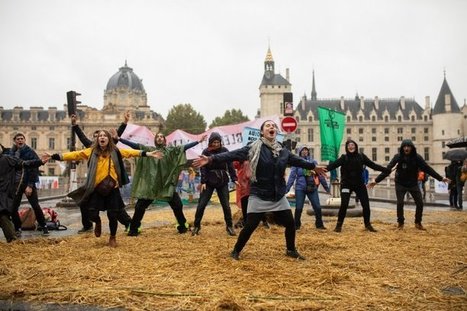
[123, 217]
[8, 167]
[242, 191]
[268, 160]
[157, 180]
[407, 163]
[25, 182]
[352, 164]
[306, 185]
[106, 174]
[461, 178]
[214, 177]
[454, 186]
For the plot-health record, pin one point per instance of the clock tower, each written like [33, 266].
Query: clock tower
[272, 89]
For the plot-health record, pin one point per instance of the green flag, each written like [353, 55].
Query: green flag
[331, 125]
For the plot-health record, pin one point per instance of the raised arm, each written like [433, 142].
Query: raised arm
[122, 127]
[81, 136]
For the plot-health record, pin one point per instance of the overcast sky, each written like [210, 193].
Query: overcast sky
[211, 53]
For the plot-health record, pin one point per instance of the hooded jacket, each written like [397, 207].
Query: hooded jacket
[408, 167]
[215, 174]
[298, 175]
[352, 166]
[30, 175]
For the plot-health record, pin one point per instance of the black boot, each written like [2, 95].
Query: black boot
[370, 228]
[338, 227]
[294, 254]
[231, 231]
[195, 231]
[235, 255]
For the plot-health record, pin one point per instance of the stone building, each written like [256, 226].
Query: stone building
[378, 125]
[49, 130]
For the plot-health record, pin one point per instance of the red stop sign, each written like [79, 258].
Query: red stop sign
[289, 124]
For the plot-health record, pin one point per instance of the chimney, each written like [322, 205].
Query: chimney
[447, 102]
[362, 103]
[287, 74]
[342, 103]
[402, 103]
[376, 103]
[427, 103]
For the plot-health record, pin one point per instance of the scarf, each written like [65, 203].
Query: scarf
[255, 151]
[88, 187]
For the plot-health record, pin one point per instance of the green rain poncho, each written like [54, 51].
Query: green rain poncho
[157, 178]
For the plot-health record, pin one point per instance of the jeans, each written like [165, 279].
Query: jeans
[417, 197]
[205, 196]
[300, 201]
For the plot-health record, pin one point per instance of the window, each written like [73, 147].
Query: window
[386, 138]
[33, 128]
[348, 119]
[414, 138]
[426, 153]
[425, 118]
[386, 118]
[399, 118]
[399, 138]
[373, 118]
[400, 130]
[51, 171]
[373, 138]
[413, 130]
[310, 119]
[312, 152]
[374, 154]
[360, 118]
[298, 131]
[373, 130]
[425, 138]
[425, 130]
[443, 144]
[386, 150]
[386, 158]
[362, 150]
[52, 128]
[360, 139]
[68, 142]
[349, 130]
[33, 142]
[297, 118]
[386, 130]
[360, 131]
[52, 143]
[310, 135]
[442, 132]
[413, 118]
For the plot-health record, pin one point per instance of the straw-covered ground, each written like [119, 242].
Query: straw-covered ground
[162, 270]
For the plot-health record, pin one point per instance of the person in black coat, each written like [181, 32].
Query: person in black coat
[352, 164]
[407, 163]
[25, 182]
[268, 160]
[214, 177]
[8, 167]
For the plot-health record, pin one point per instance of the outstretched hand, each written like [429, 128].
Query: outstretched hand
[155, 154]
[320, 170]
[126, 116]
[73, 119]
[201, 161]
[371, 185]
[113, 133]
[45, 157]
[203, 138]
[446, 180]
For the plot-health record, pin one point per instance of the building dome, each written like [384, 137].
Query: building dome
[125, 78]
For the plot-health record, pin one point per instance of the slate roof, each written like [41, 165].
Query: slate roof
[126, 78]
[353, 105]
[440, 105]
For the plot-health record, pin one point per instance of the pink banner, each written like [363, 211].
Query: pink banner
[231, 136]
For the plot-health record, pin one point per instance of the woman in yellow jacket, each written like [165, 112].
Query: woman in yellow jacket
[106, 174]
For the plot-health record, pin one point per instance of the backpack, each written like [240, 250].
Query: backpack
[51, 219]
[421, 176]
[28, 218]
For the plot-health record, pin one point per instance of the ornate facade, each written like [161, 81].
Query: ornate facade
[378, 125]
[49, 130]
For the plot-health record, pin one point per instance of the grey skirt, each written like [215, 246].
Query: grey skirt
[256, 205]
